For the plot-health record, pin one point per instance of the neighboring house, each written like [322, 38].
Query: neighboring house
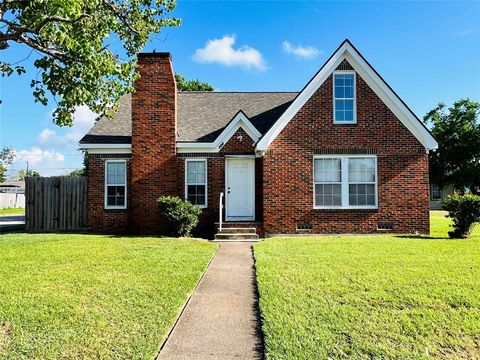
[12, 194]
[13, 186]
[344, 155]
[437, 194]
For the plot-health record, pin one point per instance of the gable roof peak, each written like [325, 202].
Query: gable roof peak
[347, 51]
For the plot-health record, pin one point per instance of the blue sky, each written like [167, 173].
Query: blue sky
[427, 51]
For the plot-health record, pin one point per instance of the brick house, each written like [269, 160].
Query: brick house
[343, 155]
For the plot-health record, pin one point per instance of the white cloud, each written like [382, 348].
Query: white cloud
[83, 120]
[221, 51]
[305, 52]
[47, 162]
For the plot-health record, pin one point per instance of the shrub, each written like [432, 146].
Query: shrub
[182, 215]
[465, 213]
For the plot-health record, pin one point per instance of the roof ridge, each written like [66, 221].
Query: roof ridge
[238, 92]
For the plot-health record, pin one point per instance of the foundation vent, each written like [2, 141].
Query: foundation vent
[385, 227]
[304, 228]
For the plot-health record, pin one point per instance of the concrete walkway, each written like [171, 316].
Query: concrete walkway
[221, 320]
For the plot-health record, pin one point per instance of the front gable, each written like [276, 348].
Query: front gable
[348, 58]
[238, 128]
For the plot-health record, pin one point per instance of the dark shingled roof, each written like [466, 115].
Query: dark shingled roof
[201, 116]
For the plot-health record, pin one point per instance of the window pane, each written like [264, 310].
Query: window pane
[339, 115]
[328, 194]
[196, 194]
[348, 104]
[361, 170]
[348, 116]
[196, 172]
[327, 170]
[339, 92]
[339, 104]
[361, 194]
[116, 195]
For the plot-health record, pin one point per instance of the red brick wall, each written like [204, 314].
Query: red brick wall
[240, 142]
[154, 163]
[101, 220]
[402, 168]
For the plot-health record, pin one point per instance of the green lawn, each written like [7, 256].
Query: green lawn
[371, 296]
[94, 297]
[12, 211]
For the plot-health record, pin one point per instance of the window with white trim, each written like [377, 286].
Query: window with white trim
[435, 193]
[344, 107]
[115, 184]
[196, 181]
[345, 181]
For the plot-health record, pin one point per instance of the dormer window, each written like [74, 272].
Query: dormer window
[344, 107]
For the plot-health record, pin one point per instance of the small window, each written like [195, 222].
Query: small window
[196, 182]
[344, 108]
[345, 182]
[435, 193]
[115, 184]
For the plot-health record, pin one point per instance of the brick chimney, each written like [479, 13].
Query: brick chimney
[154, 128]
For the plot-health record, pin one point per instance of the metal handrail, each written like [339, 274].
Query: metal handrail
[220, 207]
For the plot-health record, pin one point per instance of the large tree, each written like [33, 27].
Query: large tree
[72, 43]
[191, 85]
[457, 130]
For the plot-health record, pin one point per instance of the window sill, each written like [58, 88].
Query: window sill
[344, 123]
[346, 209]
[115, 209]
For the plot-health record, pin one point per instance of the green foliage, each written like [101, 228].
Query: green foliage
[7, 155]
[457, 160]
[76, 63]
[22, 174]
[78, 172]
[182, 215]
[464, 210]
[70, 296]
[191, 85]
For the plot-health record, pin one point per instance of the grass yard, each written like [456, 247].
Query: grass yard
[95, 297]
[12, 211]
[371, 296]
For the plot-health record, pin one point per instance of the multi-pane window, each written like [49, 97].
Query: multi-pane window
[344, 97]
[196, 182]
[328, 182]
[345, 182]
[115, 184]
[435, 192]
[361, 181]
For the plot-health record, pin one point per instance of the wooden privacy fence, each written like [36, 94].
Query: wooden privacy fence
[56, 204]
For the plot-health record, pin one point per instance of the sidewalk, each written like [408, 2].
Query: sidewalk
[12, 222]
[221, 320]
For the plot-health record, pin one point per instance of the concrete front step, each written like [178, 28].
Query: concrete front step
[237, 230]
[236, 236]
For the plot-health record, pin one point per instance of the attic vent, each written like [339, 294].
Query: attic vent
[304, 227]
[384, 227]
[344, 65]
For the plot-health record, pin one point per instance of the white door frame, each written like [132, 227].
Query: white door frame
[238, 157]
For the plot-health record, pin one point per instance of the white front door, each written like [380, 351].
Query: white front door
[240, 189]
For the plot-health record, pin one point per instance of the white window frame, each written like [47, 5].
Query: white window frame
[354, 97]
[206, 180]
[105, 190]
[345, 182]
[432, 191]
